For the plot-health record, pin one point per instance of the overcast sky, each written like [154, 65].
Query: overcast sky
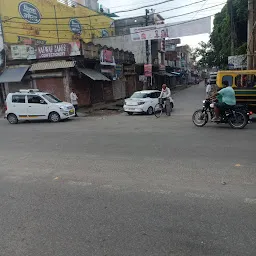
[196, 8]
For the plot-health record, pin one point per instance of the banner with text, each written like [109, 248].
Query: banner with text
[174, 30]
[32, 52]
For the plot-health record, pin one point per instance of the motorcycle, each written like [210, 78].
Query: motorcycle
[236, 116]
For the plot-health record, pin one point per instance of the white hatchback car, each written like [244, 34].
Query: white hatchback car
[143, 102]
[36, 105]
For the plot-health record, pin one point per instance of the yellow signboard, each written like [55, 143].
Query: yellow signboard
[51, 22]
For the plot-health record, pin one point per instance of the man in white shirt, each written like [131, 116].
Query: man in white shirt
[73, 100]
[208, 90]
[165, 95]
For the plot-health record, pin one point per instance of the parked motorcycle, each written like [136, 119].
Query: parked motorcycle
[236, 116]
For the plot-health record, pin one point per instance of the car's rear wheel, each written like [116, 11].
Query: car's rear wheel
[12, 119]
[54, 117]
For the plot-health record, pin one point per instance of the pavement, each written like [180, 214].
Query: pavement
[121, 185]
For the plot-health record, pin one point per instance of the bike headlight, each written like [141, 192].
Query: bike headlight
[203, 101]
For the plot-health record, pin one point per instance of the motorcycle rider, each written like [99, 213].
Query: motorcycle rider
[228, 99]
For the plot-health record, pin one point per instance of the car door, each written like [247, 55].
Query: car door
[155, 96]
[37, 107]
[18, 106]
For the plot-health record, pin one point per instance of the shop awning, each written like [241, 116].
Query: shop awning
[49, 65]
[93, 74]
[175, 73]
[164, 74]
[13, 74]
[169, 74]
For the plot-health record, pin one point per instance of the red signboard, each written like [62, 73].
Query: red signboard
[148, 70]
[107, 58]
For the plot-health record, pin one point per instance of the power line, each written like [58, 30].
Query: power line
[145, 6]
[89, 38]
[64, 24]
[193, 11]
[179, 7]
[98, 14]
[200, 8]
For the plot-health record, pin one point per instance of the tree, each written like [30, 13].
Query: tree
[217, 50]
[204, 55]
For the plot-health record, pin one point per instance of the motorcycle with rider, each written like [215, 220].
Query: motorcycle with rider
[222, 108]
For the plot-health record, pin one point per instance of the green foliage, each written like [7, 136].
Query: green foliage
[217, 50]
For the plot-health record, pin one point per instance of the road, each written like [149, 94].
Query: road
[128, 185]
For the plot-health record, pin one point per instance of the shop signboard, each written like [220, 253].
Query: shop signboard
[148, 70]
[107, 58]
[31, 52]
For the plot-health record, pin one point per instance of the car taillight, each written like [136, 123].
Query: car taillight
[250, 113]
[5, 107]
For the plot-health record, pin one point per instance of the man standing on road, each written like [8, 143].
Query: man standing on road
[73, 100]
[165, 95]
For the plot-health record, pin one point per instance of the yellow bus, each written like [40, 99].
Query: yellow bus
[244, 84]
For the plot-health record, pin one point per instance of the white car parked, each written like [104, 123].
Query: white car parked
[143, 102]
[36, 105]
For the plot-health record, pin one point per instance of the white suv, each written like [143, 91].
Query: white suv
[36, 105]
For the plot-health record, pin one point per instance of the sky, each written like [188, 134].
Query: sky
[197, 9]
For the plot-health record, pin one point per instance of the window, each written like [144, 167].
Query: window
[245, 81]
[158, 94]
[154, 95]
[51, 98]
[139, 95]
[34, 99]
[229, 79]
[18, 98]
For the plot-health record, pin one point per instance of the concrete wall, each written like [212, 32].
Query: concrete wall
[125, 43]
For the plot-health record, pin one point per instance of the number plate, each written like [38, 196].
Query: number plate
[71, 112]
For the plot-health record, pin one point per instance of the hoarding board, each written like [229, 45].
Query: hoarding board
[51, 22]
[175, 30]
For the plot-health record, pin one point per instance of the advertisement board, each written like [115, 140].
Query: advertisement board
[51, 22]
[169, 46]
[148, 70]
[107, 58]
[154, 32]
[175, 30]
[31, 52]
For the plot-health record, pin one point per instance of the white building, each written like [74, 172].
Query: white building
[125, 43]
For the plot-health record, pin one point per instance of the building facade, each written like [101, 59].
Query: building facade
[56, 54]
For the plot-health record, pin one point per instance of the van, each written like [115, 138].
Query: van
[36, 105]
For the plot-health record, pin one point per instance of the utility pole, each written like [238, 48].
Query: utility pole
[250, 36]
[147, 46]
[232, 27]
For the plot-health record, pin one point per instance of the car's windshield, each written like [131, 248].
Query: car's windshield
[51, 98]
[139, 95]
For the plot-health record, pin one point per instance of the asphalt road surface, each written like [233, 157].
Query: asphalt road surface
[128, 186]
